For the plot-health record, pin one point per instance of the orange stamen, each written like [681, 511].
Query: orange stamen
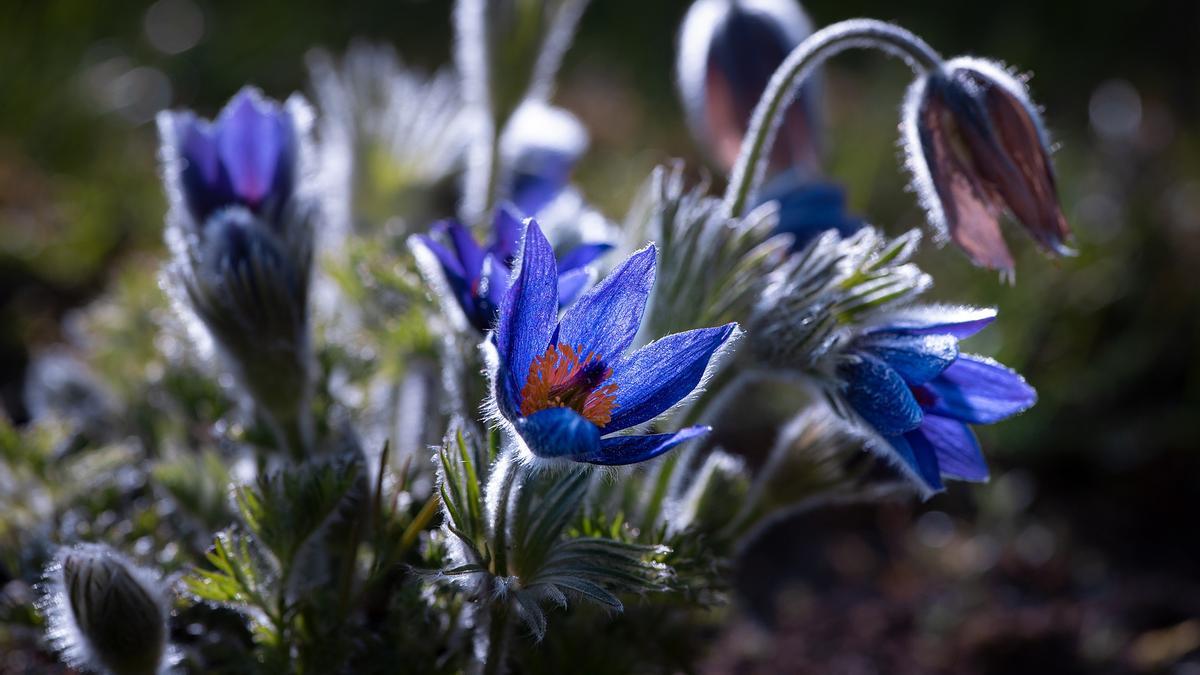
[559, 379]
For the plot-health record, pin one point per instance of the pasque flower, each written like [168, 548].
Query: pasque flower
[240, 230]
[478, 275]
[977, 148]
[728, 51]
[567, 386]
[909, 383]
[105, 613]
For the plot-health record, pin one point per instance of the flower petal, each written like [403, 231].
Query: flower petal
[617, 450]
[253, 139]
[879, 394]
[977, 390]
[605, 320]
[526, 316]
[954, 444]
[581, 255]
[507, 233]
[917, 358]
[654, 378]
[960, 321]
[919, 461]
[559, 432]
[571, 283]
[469, 253]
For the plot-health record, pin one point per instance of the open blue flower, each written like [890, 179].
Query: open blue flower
[909, 382]
[478, 276]
[567, 385]
[246, 157]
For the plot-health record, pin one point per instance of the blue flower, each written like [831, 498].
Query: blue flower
[246, 157]
[478, 276]
[567, 385]
[909, 382]
[808, 208]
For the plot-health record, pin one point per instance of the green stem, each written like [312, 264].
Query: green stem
[498, 634]
[747, 174]
[500, 526]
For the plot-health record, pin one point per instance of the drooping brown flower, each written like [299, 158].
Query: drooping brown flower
[977, 149]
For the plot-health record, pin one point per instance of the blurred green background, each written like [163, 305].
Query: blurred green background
[1107, 465]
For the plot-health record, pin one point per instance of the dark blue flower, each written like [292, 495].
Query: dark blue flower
[478, 276]
[909, 382]
[808, 208]
[567, 385]
[246, 157]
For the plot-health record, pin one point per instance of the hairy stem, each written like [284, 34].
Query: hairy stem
[498, 634]
[748, 172]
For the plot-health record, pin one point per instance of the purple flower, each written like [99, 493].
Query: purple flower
[478, 276]
[567, 386]
[977, 148]
[908, 381]
[808, 208]
[728, 51]
[541, 146]
[246, 157]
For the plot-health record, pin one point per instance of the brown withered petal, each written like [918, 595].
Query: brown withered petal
[968, 205]
[984, 152]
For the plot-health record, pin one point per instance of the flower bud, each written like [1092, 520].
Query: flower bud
[977, 148]
[241, 233]
[728, 51]
[104, 612]
[540, 147]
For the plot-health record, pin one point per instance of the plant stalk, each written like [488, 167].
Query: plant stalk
[748, 172]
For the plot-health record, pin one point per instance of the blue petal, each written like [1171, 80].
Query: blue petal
[559, 432]
[807, 209]
[955, 445]
[879, 394]
[977, 390]
[448, 260]
[605, 320]
[571, 283]
[657, 376]
[961, 322]
[465, 247]
[507, 233]
[253, 139]
[581, 255]
[493, 280]
[921, 460]
[918, 358]
[526, 317]
[203, 180]
[618, 450]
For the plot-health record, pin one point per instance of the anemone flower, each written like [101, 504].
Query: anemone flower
[478, 276]
[977, 148]
[910, 384]
[567, 386]
[246, 156]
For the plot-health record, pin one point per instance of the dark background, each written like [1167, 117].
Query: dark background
[1080, 556]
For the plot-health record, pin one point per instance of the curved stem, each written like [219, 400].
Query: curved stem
[748, 172]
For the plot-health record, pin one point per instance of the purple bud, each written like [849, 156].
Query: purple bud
[977, 148]
[247, 157]
[728, 51]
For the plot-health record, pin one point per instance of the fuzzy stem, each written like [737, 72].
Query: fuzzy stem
[747, 175]
[498, 633]
[500, 526]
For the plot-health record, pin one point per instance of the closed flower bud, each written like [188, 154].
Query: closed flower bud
[105, 613]
[977, 148]
[728, 51]
[240, 228]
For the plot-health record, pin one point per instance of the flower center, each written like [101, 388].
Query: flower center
[559, 379]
